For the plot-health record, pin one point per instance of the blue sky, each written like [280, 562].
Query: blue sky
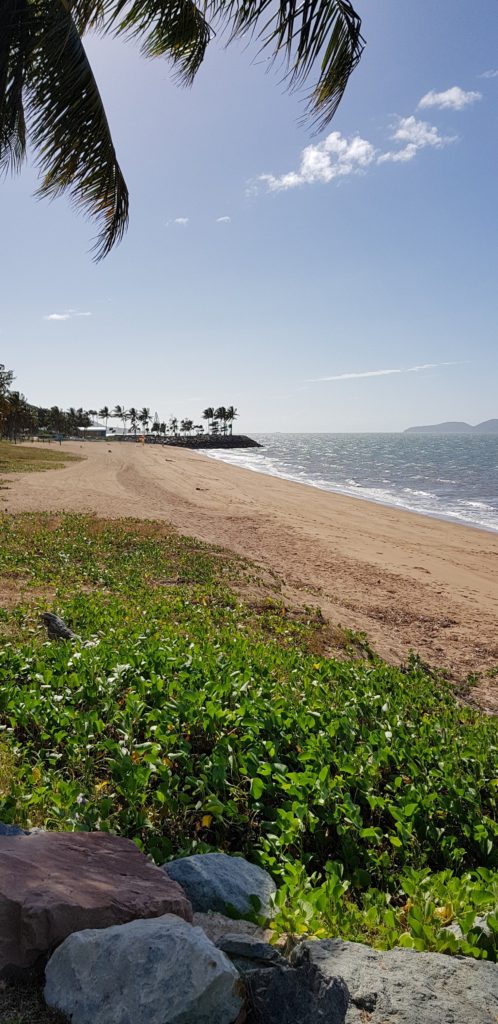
[375, 251]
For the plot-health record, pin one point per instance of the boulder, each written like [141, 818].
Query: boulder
[401, 986]
[295, 995]
[11, 830]
[216, 926]
[55, 883]
[215, 881]
[160, 971]
[249, 953]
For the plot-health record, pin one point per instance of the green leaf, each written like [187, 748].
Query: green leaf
[257, 787]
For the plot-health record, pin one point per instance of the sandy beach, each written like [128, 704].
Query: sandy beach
[410, 582]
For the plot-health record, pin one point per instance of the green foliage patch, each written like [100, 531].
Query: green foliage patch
[17, 458]
[190, 720]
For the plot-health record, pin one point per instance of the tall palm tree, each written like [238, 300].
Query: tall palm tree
[50, 98]
[221, 416]
[120, 413]
[144, 418]
[231, 415]
[208, 415]
[173, 425]
[105, 413]
[133, 414]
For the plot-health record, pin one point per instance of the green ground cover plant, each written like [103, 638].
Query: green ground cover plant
[190, 719]
[18, 458]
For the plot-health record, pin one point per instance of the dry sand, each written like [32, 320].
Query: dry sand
[410, 582]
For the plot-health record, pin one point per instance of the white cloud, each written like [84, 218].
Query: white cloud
[223, 220]
[382, 373]
[68, 314]
[489, 74]
[334, 157]
[183, 221]
[337, 156]
[415, 135]
[451, 99]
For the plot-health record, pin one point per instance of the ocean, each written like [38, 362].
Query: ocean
[451, 477]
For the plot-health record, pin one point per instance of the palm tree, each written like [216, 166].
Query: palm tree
[144, 417]
[119, 413]
[133, 414]
[105, 413]
[208, 415]
[221, 416]
[173, 425]
[231, 415]
[44, 70]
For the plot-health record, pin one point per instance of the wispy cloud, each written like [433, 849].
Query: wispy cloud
[415, 135]
[492, 73]
[334, 157]
[68, 314]
[451, 99]
[181, 221]
[381, 373]
[223, 220]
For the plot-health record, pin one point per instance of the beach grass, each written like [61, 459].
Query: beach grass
[19, 458]
[195, 712]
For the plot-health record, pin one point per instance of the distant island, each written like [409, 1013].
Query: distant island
[456, 427]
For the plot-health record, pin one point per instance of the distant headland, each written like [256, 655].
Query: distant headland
[456, 427]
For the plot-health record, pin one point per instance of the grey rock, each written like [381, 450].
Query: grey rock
[401, 986]
[215, 881]
[249, 953]
[480, 924]
[217, 925]
[11, 830]
[289, 995]
[158, 971]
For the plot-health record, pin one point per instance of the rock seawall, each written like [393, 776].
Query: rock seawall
[207, 441]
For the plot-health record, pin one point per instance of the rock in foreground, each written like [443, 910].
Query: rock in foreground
[161, 971]
[295, 995]
[216, 926]
[215, 881]
[404, 987]
[55, 883]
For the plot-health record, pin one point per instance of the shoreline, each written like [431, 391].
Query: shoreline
[335, 490]
[410, 582]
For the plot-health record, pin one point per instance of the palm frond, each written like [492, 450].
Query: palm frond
[173, 28]
[46, 79]
[87, 14]
[68, 125]
[303, 34]
[15, 42]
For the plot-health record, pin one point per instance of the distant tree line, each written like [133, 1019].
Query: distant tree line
[18, 417]
[219, 421]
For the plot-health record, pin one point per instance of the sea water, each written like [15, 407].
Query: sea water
[451, 477]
